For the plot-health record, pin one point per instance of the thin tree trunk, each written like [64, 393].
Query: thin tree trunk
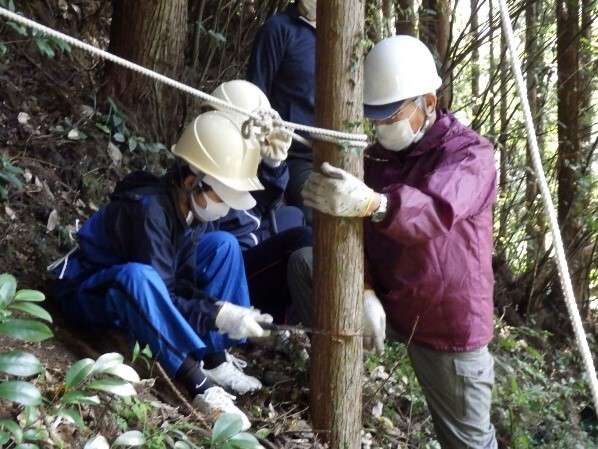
[337, 359]
[569, 155]
[380, 13]
[502, 138]
[492, 32]
[475, 58]
[151, 34]
[587, 87]
[375, 20]
[435, 31]
[406, 17]
[535, 224]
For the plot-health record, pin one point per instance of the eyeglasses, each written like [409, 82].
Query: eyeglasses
[393, 118]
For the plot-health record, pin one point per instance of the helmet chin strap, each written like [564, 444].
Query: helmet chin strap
[424, 107]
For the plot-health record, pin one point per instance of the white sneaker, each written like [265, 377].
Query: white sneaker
[230, 376]
[215, 401]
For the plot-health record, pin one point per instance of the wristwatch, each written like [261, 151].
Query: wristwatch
[380, 213]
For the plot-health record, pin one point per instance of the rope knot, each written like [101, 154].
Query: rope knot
[263, 124]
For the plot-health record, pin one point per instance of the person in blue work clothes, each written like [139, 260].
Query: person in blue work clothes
[276, 243]
[145, 265]
[283, 64]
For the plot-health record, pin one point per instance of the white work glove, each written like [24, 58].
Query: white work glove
[241, 322]
[337, 192]
[274, 142]
[374, 323]
[275, 148]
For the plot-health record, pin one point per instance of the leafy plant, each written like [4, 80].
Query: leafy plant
[47, 45]
[538, 397]
[83, 383]
[8, 177]
[105, 382]
[113, 124]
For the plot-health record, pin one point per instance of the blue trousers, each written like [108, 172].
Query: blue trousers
[132, 297]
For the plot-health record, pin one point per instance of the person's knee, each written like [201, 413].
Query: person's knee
[141, 281]
[219, 243]
[300, 282]
[135, 273]
[302, 260]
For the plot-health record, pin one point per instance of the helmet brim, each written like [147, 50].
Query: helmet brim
[236, 199]
[381, 112]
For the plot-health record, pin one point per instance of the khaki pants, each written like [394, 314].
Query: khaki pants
[458, 391]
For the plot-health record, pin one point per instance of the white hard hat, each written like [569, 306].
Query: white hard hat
[242, 94]
[396, 69]
[214, 145]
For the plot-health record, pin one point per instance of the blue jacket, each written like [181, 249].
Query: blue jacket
[143, 223]
[283, 65]
[253, 226]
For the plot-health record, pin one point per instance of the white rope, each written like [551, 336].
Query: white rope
[356, 140]
[552, 217]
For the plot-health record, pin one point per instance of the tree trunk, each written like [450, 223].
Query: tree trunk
[379, 17]
[502, 137]
[569, 160]
[151, 34]
[492, 87]
[588, 65]
[375, 22]
[535, 224]
[475, 58]
[435, 31]
[406, 17]
[337, 358]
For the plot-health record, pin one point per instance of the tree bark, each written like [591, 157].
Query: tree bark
[151, 34]
[502, 138]
[337, 357]
[535, 224]
[475, 57]
[569, 160]
[435, 31]
[406, 17]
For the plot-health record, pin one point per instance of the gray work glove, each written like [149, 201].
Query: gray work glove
[337, 192]
[374, 323]
[241, 322]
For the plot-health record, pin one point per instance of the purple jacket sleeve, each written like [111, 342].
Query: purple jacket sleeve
[461, 185]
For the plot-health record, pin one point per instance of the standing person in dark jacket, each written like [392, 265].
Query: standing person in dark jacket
[276, 243]
[140, 267]
[283, 65]
[430, 183]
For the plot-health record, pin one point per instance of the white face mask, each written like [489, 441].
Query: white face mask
[398, 135]
[213, 210]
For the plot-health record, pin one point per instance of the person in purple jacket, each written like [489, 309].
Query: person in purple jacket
[430, 183]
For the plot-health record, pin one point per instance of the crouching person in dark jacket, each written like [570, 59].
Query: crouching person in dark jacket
[144, 264]
[276, 242]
